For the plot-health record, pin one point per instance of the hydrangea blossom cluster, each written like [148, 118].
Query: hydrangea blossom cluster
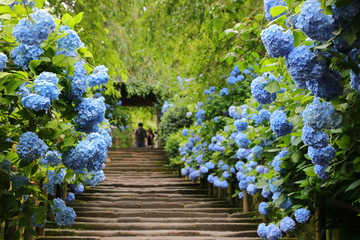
[91, 112]
[19, 181]
[70, 197]
[78, 81]
[276, 163]
[273, 232]
[23, 54]
[314, 23]
[94, 178]
[258, 89]
[98, 76]
[287, 224]
[224, 92]
[321, 115]
[279, 124]
[44, 92]
[241, 125]
[235, 76]
[263, 208]
[166, 106]
[89, 153]
[30, 147]
[268, 4]
[52, 158]
[54, 178]
[70, 42]
[322, 156]
[64, 216]
[36, 30]
[31, 33]
[302, 215]
[211, 90]
[3, 60]
[277, 42]
[242, 140]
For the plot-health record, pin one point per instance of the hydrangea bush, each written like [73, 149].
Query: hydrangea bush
[293, 140]
[53, 128]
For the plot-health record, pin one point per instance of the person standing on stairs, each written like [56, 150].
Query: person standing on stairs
[140, 136]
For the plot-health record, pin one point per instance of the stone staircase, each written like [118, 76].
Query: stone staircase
[141, 200]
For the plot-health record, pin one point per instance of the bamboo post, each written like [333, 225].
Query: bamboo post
[246, 202]
[320, 224]
[210, 189]
[220, 193]
[231, 193]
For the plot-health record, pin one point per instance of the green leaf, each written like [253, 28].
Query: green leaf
[58, 60]
[277, 10]
[40, 3]
[12, 86]
[34, 64]
[3, 74]
[344, 142]
[69, 141]
[296, 156]
[272, 87]
[309, 171]
[353, 185]
[54, 124]
[280, 200]
[261, 184]
[78, 18]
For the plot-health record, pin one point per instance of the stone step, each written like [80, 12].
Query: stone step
[144, 205]
[147, 233]
[152, 210]
[167, 220]
[144, 226]
[183, 199]
[150, 214]
[105, 190]
[147, 238]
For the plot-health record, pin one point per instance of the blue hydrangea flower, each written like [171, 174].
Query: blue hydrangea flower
[262, 116]
[78, 81]
[19, 181]
[204, 169]
[53, 179]
[93, 178]
[243, 184]
[3, 60]
[71, 41]
[36, 30]
[286, 204]
[277, 42]
[302, 66]
[276, 163]
[241, 125]
[30, 147]
[106, 136]
[326, 86]
[194, 175]
[36, 102]
[242, 153]
[185, 132]
[79, 188]
[90, 113]
[344, 14]
[261, 231]
[210, 179]
[252, 189]
[89, 153]
[321, 115]
[224, 92]
[273, 232]
[314, 23]
[263, 208]
[266, 193]
[99, 76]
[314, 138]
[242, 140]
[53, 158]
[321, 171]
[268, 4]
[279, 124]
[261, 169]
[45, 86]
[23, 54]
[302, 215]
[257, 151]
[70, 197]
[240, 195]
[322, 156]
[64, 216]
[258, 89]
[355, 81]
[287, 224]
[236, 71]
[210, 165]
[23, 90]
